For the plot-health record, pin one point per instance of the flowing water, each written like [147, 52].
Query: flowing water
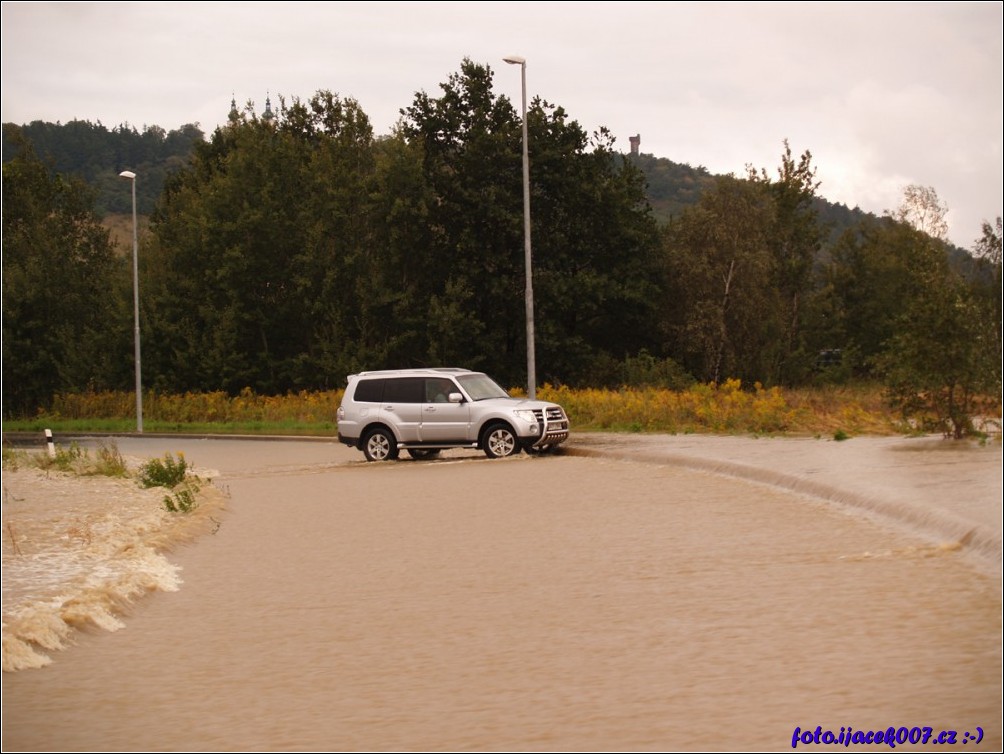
[555, 604]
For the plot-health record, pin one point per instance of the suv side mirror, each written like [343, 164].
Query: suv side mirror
[456, 398]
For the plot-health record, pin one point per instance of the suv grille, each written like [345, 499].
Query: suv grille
[556, 420]
[554, 414]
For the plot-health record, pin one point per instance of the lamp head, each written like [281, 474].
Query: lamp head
[515, 60]
[127, 174]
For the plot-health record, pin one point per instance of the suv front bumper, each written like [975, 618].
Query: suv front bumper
[552, 426]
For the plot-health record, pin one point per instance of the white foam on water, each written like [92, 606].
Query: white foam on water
[76, 552]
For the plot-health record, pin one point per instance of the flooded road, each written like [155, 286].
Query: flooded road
[560, 603]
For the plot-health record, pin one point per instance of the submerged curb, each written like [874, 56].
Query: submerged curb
[985, 545]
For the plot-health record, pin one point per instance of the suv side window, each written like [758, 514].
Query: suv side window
[404, 390]
[438, 389]
[370, 391]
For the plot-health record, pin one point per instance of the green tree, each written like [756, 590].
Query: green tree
[259, 260]
[596, 249]
[63, 324]
[943, 360]
[910, 316]
[472, 240]
[794, 241]
[593, 238]
[720, 312]
[874, 272]
[97, 155]
[988, 283]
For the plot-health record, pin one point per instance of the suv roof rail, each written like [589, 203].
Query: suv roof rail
[413, 370]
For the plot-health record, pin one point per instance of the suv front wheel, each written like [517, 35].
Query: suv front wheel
[500, 441]
[380, 445]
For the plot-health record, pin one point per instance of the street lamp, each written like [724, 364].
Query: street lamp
[531, 368]
[135, 300]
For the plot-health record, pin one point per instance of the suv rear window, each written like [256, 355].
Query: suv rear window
[370, 391]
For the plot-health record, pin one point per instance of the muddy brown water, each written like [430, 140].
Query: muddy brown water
[561, 604]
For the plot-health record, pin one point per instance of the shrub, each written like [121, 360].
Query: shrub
[163, 473]
[65, 459]
[182, 499]
[109, 462]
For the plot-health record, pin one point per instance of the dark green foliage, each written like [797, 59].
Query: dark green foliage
[794, 240]
[940, 363]
[593, 238]
[64, 305]
[739, 270]
[260, 264]
[720, 311]
[671, 187]
[987, 285]
[874, 274]
[641, 371]
[96, 155]
[297, 249]
[943, 357]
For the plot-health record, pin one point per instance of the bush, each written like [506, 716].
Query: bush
[65, 459]
[109, 462]
[182, 500]
[164, 473]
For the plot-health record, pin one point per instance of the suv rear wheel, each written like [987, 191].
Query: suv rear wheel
[380, 445]
[500, 441]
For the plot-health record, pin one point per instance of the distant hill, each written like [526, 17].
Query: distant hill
[98, 154]
[673, 186]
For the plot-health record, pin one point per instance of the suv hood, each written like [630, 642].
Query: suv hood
[514, 404]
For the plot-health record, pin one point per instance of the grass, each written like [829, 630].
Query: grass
[72, 459]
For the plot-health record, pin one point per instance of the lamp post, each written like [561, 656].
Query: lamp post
[531, 367]
[135, 300]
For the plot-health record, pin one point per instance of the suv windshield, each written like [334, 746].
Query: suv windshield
[481, 386]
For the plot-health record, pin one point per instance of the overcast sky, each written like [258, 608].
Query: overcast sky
[883, 95]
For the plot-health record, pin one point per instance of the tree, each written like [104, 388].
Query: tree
[921, 209]
[988, 283]
[63, 302]
[943, 356]
[472, 240]
[593, 237]
[97, 155]
[720, 312]
[259, 265]
[794, 241]
[875, 271]
[942, 361]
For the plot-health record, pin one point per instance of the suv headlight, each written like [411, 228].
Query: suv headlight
[526, 415]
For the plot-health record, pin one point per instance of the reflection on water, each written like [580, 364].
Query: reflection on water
[529, 604]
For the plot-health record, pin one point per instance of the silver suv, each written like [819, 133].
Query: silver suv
[426, 410]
